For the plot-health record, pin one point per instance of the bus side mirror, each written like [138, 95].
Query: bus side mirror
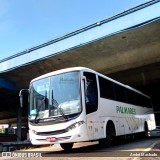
[23, 94]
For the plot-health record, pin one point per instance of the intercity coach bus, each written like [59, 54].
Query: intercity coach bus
[78, 104]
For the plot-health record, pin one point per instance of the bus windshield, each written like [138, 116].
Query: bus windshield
[55, 96]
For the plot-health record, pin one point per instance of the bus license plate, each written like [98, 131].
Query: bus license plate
[51, 139]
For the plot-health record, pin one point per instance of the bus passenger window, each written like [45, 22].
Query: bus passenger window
[120, 93]
[91, 95]
[106, 88]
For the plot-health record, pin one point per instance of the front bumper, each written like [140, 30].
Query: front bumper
[76, 135]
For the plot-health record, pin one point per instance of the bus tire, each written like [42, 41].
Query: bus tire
[146, 131]
[110, 135]
[66, 146]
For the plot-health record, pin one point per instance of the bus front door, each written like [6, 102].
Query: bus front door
[90, 129]
[91, 102]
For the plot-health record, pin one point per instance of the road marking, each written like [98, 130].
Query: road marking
[146, 150]
[151, 146]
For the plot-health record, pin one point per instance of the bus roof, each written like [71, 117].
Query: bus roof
[60, 71]
[89, 70]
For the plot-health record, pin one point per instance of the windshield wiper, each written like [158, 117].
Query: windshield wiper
[55, 104]
[37, 111]
[36, 116]
[44, 102]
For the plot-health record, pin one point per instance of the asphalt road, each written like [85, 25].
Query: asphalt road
[118, 149]
[127, 150]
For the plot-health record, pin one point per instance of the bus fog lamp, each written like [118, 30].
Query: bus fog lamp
[33, 131]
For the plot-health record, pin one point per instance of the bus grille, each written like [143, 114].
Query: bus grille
[51, 132]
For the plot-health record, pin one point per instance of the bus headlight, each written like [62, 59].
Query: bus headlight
[75, 125]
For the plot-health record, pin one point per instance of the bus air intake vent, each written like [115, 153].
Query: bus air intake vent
[51, 132]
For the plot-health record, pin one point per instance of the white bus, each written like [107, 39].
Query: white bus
[78, 104]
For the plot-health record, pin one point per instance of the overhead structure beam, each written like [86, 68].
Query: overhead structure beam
[11, 121]
[135, 17]
[7, 84]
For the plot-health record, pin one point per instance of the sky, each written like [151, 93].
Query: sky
[28, 23]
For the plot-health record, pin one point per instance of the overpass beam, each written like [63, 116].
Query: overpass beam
[7, 84]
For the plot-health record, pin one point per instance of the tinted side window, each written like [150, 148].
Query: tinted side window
[144, 101]
[131, 97]
[91, 94]
[120, 93]
[106, 88]
[148, 103]
[139, 99]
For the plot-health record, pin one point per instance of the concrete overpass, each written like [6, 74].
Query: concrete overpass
[125, 47]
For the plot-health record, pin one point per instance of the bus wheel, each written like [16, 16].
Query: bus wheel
[146, 131]
[110, 134]
[66, 146]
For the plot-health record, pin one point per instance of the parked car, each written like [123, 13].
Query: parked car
[155, 132]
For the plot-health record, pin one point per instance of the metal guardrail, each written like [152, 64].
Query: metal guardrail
[8, 146]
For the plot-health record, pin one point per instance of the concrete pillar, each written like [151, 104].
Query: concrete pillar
[1, 147]
[19, 122]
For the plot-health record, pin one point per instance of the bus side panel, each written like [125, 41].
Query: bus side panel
[151, 121]
[125, 122]
[107, 111]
